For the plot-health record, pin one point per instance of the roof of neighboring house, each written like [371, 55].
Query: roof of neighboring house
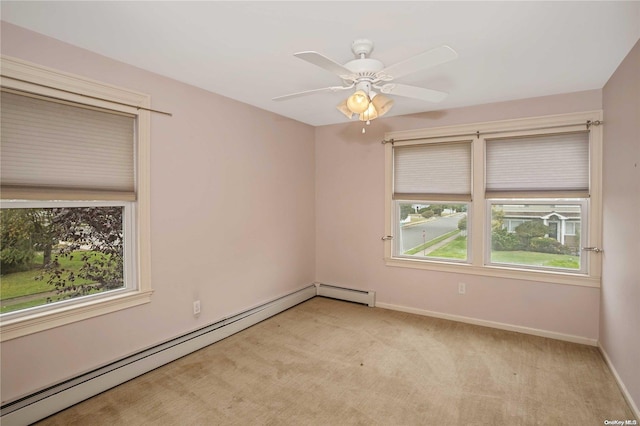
[541, 211]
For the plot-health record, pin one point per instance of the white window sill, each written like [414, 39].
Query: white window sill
[28, 324]
[497, 272]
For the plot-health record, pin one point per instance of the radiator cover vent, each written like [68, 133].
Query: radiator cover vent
[351, 295]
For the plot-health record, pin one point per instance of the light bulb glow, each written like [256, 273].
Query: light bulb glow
[369, 114]
[358, 102]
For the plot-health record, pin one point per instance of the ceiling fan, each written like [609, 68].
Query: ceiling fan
[371, 80]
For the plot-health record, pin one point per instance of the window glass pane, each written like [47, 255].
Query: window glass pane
[537, 235]
[431, 230]
[53, 254]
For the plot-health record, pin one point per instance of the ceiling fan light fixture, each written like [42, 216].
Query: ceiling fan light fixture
[369, 114]
[343, 108]
[358, 102]
[381, 103]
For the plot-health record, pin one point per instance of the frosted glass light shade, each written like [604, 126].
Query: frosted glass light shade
[358, 102]
[382, 104]
[343, 108]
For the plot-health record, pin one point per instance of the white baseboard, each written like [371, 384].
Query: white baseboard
[58, 397]
[621, 385]
[493, 324]
[348, 294]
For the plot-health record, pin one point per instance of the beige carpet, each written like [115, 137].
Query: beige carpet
[327, 362]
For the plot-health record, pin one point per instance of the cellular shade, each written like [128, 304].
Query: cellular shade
[551, 164]
[55, 148]
[436, 171]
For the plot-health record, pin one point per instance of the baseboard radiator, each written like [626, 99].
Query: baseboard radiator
[63, 395]
[358, 296]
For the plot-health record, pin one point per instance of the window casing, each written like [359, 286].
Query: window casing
[131, 194]
[561, 132]
[431, 190]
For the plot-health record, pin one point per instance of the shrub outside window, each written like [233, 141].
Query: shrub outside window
[534, 234]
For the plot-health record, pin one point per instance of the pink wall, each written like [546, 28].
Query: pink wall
[234, 224]
[232, 218]
[619, 313]
[350, 223]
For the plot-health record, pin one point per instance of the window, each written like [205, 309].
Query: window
[65, 253]
[431, 185]
[433, 231]
[518, 199]
[571, 228]
[526, 230]
[540, 241]
[511, 224]
[74, 180]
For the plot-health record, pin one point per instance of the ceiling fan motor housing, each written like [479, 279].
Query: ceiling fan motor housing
[365, 72]
[364, 66]
[364, 69]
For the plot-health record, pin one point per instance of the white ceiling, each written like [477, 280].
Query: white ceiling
[244, 50]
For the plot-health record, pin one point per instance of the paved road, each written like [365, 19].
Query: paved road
[415, 235]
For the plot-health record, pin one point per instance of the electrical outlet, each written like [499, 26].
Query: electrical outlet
[462, 288]
[196, 307]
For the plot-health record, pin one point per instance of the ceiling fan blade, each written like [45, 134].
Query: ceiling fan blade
[322, 61]
[423, 61]
[428, 95]
[311, 92]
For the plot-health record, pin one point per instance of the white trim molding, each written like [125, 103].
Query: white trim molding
[623, 388]
[492, 324]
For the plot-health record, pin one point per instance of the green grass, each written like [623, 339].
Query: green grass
[24, 283]
[19, 284]
[536, 259]
[456, 249]
[430, 243]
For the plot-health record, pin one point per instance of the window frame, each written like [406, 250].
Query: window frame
[128, 230]
[25, 76]
[479, 133]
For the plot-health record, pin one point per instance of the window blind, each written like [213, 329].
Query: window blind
[546, 165]
[436, 171]
[52, 150]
